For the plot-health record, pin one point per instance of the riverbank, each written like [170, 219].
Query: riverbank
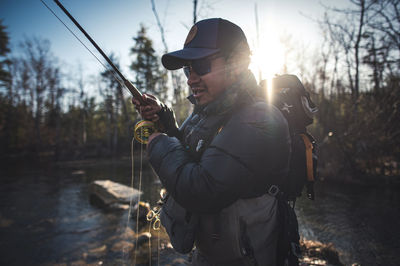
[326, 174]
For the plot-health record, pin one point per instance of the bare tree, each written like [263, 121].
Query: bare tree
[80, 82]
[383, 41]
[55, 93]
[4, 61]
[347, 32]
[177, 81]
[37, 63]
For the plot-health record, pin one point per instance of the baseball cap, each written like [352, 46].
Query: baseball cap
[205, 38]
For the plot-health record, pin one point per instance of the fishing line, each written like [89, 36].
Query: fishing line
[150, 245]
[87, 48]
[138, 201]
[158, 247]
[132, 182]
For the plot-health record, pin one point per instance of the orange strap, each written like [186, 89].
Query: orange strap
[309, 159]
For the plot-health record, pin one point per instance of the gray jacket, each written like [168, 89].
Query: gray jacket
[230, 152]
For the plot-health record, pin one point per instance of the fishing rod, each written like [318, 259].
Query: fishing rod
[144, 128]
[134, 91]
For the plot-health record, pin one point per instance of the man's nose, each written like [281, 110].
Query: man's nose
[193, 78]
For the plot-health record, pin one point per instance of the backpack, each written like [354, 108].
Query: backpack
[294, 102]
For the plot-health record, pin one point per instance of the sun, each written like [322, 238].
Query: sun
[267, 58]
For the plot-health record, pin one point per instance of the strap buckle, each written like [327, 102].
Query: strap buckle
[273, 190]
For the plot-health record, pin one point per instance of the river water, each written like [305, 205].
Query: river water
[362, 222]
[47, 218]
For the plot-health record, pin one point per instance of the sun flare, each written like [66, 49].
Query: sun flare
[267, 59]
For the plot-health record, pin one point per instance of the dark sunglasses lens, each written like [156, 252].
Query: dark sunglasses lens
[202, 66]
[186, 70]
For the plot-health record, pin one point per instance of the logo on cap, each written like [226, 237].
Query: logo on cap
[192, 33]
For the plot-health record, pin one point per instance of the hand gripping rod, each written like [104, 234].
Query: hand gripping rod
[134, 91]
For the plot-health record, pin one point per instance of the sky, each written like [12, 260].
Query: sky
[113, 24]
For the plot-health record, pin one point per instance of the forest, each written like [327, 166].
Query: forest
[47, 114]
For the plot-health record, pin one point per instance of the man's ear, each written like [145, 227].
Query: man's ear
[233, 68]
[239, 59]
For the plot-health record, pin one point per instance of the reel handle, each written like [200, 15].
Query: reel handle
[143, 130]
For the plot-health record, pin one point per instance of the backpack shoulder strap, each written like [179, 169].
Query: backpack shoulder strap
[310, 165]
[309, 159]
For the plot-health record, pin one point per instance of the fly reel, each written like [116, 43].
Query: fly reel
[143, 130]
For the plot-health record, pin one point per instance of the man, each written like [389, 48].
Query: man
[223, 164]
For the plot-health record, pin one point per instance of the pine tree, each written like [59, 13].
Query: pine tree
[149, 77]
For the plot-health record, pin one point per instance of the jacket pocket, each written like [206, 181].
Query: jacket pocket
[218, 236]
[179, 224]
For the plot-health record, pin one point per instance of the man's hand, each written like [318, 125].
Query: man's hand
[149, 110]
[155, 111]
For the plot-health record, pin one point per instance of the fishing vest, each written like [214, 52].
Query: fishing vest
[243, 233]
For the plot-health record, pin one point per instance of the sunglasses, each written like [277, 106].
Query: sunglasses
[200, 66]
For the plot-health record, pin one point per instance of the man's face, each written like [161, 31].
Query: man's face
[206, 88]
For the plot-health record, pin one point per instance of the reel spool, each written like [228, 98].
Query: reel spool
[143, 130]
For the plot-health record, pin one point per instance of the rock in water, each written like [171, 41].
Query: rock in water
[110, 192]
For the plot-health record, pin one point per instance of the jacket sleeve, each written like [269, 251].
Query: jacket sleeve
[250, 152]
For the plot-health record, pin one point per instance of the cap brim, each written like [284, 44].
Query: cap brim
[178, 59]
